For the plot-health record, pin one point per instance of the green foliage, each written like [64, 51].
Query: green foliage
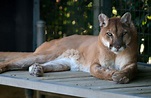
[66, 17]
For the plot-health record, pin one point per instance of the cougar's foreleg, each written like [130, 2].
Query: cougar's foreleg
[125, 74]
[101, 72]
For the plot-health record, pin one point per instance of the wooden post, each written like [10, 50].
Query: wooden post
[29, 93]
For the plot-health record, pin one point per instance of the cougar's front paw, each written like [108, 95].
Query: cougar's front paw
[120, 78]
[36, 70]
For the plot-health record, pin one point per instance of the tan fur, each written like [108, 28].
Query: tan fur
[111, 56]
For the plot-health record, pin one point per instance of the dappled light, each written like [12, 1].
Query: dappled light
[67, 16]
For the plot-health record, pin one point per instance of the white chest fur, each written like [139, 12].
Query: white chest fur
[121, 61]
[73, 57]
[108, 63]
[115, 63]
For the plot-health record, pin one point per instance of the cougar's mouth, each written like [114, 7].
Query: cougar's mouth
[117, 50]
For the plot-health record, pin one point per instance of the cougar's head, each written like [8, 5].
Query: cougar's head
[115, 33]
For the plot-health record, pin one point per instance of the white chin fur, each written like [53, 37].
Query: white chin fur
[113, 49]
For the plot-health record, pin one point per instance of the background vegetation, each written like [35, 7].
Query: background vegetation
[67, 17]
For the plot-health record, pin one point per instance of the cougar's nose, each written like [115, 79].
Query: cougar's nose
[117, 47]
[118, 44]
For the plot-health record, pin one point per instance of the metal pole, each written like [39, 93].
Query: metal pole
[40, 32]
[95, 17]
[36, 17]
[106, 7]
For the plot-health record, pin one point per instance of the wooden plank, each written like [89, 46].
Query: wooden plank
[145, 69]
[139, 91]
[80, 84]
[145, 95]
[47, 76]
[94, 83]
[61, 89]
[56, 75]
[132, 90]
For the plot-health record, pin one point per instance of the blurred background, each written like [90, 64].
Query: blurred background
[19, 21]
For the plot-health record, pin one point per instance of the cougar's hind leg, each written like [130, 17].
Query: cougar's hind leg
[51, 66]
[24, 62]
[6, 57]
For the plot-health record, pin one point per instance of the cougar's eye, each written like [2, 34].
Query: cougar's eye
[109, 34]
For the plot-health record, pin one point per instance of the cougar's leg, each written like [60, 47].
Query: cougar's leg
[50, 66]
[126, 74]
[101, 72]
[24, 62]
[119, 76]
[7, 56]
[62, 63]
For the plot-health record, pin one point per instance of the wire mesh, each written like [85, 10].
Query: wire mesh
[141, 15]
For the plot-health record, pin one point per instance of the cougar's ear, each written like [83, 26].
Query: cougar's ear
[103, 19]
[126, 18]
